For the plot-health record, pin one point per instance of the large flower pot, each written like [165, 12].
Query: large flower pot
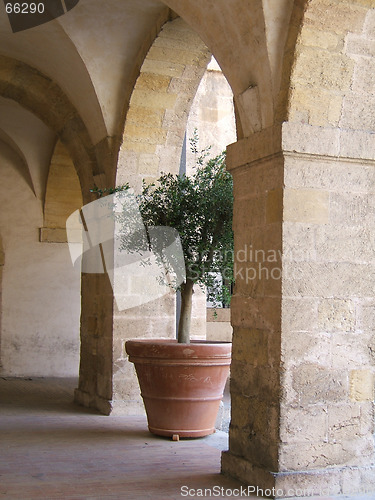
[181, 384]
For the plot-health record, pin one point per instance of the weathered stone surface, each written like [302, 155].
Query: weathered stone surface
[317, 384]
[274, 206]
[369, 26]
[360, 46]
[251, 346]
[331, 70]
[353, 244]
[349, 211]
[323, 39]
[362, 385]
[358, 113]
[153, 82]
[163, 67]
[324, 454]
[344, 422]
[306, 205]
[144, 116]
[250, 381]
[178, 56]
[298, 242]
[362, 81]
[308, 424]
[299, 315]
[305, 347]
[347, 17]
[336, 315]
[331, 174]
[352, 350]
[328, 279]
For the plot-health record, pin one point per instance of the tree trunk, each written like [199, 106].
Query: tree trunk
[185, 316]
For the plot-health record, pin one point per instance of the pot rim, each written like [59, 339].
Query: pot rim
[165, 350]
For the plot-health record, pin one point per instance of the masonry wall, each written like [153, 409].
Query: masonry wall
[152, 144]
[328, 241]
[256, 311]
[327, 313]
[338, 43]
[303, 367]
[40, 289]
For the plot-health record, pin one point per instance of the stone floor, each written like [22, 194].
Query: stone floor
[52, 449]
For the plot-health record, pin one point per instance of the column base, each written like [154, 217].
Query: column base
[109, 406]
[128, 407]
[93, 401]
[300, 484]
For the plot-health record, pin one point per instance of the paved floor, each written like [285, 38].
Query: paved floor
[52, 449]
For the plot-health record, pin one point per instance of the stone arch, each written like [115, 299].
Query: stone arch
[307, 183]
[331, 84]
[40, 95]
[63, 196]
[152, 143]
[24, 170]
[94, 164]
[160, 103]
[247, 32]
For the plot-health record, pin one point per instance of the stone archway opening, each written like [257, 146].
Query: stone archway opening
[179, 88]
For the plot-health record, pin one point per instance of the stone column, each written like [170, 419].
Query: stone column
[96, 366]
[303, 311]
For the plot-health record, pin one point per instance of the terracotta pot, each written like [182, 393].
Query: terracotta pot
[181, 384]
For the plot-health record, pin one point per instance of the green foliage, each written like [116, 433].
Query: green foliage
[105, 191]
[200, 208]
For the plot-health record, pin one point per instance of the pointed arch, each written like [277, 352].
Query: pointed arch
[160, 103]
[43, 97]
[63, 196]
[331, 82]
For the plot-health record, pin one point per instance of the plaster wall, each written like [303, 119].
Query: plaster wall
[40, 289]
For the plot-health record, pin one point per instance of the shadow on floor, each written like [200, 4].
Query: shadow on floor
[52, 448]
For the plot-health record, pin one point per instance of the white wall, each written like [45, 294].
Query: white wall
[40, 289]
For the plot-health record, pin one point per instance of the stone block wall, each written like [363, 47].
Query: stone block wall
[160, 104]
[327, 411]
[256, 311]
[303, 369]
[218, 324]
[339, 46]
[96, 367]
[152, 143]
[154, 319]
